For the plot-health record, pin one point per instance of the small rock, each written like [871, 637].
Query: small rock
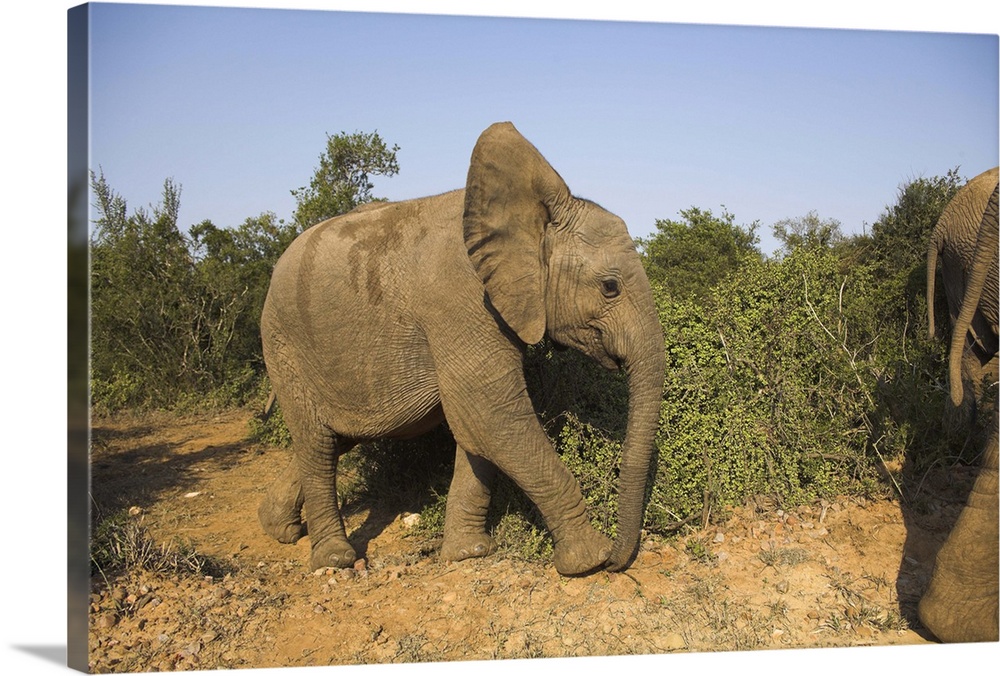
[720, 538]
[671, 641]
[106, 621]
[134, 511]
[782, 587]
[411, 520]
[193, 494]
[865, 631]
[361, 568]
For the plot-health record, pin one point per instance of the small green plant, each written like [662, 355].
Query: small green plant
[432, 517]
[270, 429]
[121, 543]
[697, 550]
[782, 556]
[518, 538]
[778, 609]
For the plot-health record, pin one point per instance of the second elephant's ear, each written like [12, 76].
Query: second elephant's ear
[510, 194]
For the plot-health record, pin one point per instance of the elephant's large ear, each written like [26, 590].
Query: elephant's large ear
[510, 194]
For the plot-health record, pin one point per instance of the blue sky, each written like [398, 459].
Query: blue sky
[647, 118]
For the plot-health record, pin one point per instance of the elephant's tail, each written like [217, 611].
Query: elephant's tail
[268, 407]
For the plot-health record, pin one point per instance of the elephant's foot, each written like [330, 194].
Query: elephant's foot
[466, 546]
[581, 552]
[332, 553]
[283, 525]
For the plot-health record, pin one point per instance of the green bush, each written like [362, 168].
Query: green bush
[762, 395]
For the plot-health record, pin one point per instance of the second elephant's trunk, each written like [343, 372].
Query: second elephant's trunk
[985, 259]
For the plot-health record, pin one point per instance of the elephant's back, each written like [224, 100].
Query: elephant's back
[340, 320]
[363, 264]
[964, 213]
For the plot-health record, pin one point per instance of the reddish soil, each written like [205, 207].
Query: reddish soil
[844, 572]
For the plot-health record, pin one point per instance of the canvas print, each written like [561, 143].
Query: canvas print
[436, 338]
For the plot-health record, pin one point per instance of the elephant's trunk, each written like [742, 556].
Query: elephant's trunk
[645, 369]
[984, 259]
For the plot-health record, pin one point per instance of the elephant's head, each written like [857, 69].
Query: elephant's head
[553, 263]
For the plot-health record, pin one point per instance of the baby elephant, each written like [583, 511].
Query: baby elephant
[383, 322]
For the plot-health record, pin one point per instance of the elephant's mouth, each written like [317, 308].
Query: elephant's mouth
[592, 346]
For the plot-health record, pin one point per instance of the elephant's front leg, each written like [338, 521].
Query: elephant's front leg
[511, 437]
[468, 503]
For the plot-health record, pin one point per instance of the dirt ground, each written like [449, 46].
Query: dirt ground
[843, 572]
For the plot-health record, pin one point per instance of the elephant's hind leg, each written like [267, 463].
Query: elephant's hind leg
[280, 512]
[317, 455]
[468, 503]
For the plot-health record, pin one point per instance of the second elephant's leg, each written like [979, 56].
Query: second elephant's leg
[468, 503]
[961, 604]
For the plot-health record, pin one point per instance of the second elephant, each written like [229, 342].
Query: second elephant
[961, 603]
[953, 243]
[385, 321]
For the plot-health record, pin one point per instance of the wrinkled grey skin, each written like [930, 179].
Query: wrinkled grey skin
[385, 321]
[961, 603]
[953, 242]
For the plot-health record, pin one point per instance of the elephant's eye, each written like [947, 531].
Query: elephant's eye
[609, 287]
